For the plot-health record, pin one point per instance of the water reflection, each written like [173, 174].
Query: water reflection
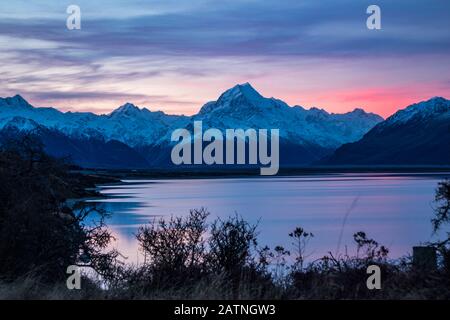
[393, 209]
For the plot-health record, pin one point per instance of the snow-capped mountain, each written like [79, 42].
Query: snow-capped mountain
[243, 107]
[416, 135]
[306, 135]
[127, 124]
[422, 111]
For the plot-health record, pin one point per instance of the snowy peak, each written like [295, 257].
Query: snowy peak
[241, 99]
[318, 112]
[417, 135]
[243, 107]
[431, 108]
[16, 102]
[127, 109]
[359, 113]
[238, 107]
[241, 91]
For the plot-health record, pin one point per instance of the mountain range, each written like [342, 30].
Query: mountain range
[417, 135]
[133, 137]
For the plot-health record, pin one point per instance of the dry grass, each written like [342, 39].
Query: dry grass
[404, 285]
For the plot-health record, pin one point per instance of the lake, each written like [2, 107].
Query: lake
[394, 209]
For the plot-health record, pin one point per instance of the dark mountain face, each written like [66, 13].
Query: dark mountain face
[93, 153]
[87, 153]
[290, 155]
[417, 135]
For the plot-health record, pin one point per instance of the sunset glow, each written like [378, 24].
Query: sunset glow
[177, 55]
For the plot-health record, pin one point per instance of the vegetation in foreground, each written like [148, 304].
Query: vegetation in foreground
[42, 233]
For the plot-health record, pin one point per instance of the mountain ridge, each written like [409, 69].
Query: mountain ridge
[242, 104]
[416, 135]
[306, 135]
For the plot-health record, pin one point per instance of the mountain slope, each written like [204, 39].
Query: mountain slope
[416, 135]
[86, 152]
[243, 107]
[305, 135]
[127, 124]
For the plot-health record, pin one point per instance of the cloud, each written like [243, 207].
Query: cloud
[189, 50]
[248, 28]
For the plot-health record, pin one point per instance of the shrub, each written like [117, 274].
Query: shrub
[40, 231]
[174, 250]
[230, 245]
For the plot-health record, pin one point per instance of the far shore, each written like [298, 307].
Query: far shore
[116, 175]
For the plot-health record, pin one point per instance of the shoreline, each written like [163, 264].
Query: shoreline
[111, 176]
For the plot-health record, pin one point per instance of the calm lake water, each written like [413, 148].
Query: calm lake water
[395, 210]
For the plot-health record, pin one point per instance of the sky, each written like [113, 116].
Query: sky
[175, 55]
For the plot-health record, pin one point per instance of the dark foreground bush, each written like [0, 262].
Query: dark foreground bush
[185, 252]
[41, 232]
[187, 258]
